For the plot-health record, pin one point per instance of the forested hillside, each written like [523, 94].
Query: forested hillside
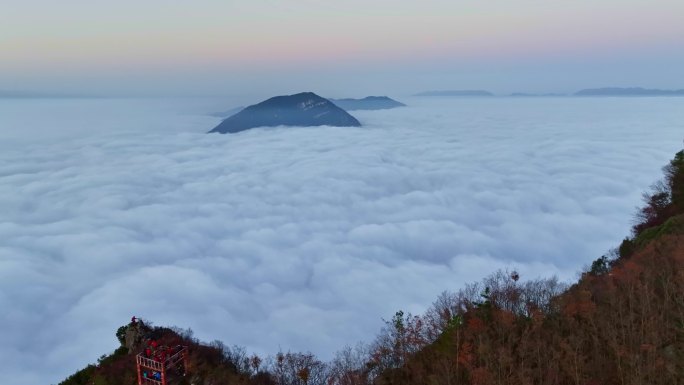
[621, 323]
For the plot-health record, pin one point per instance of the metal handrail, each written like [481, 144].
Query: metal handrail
[148, 380]
[176, 357]
[156, 365]
[149, 363]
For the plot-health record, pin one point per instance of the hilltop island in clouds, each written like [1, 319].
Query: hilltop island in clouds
[305, 109]
[367, 103]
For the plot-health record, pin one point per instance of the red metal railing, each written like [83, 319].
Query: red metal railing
[149, 363]
[174, 359]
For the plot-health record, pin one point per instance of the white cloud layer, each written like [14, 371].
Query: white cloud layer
[298, 238]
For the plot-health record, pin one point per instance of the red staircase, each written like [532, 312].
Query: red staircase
[151, 366]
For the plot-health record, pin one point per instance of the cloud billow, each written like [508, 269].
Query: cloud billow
[304, 238]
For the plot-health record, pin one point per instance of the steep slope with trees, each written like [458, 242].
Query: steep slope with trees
[622, 323]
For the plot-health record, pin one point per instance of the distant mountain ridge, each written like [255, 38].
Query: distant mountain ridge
[368, 103]
[604, 91]
[305, 109]
[455, 93]
[628, 91]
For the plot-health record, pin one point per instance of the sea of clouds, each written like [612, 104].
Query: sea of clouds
[297, 238]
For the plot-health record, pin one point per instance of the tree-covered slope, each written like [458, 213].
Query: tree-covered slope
[621, 323]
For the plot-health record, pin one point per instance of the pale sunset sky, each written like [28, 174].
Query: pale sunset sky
[224, 47]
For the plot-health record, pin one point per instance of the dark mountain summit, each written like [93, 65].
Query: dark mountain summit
[368, 103]
[304, 110]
